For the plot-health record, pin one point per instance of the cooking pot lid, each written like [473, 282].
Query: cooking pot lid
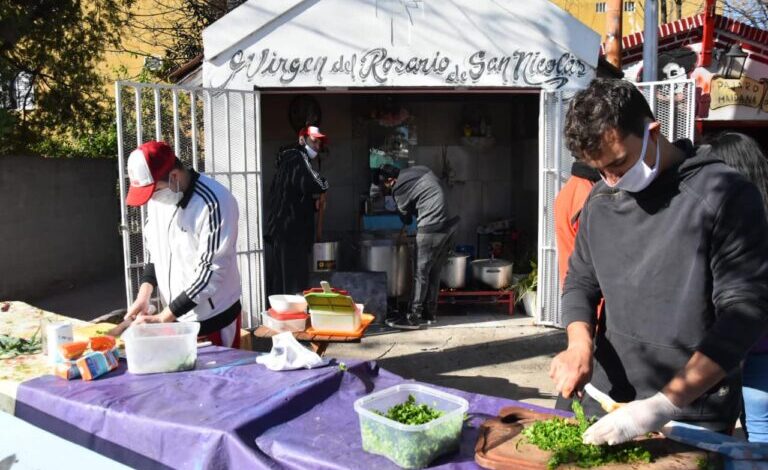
[385, 242]
[491, 263]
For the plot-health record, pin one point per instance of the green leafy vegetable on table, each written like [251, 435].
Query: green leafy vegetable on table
[563, 439]
[411, 449]
[11, 346]
[409, 412]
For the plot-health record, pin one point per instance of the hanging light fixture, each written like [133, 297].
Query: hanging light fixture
[732, 65]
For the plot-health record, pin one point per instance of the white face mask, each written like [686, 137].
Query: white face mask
[640, 175]
[310, 151]
[167, 195]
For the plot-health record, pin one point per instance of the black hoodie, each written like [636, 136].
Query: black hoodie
[419, 192]
[683, 267]
[291, 216]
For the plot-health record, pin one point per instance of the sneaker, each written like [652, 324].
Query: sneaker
[428, 319]
[406, 322]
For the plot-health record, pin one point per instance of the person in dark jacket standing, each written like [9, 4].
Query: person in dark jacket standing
[417, 192]
[676, 242]
[742, 153]
[297, 191]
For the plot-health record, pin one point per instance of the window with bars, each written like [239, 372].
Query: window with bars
[629, 6]
[600, 7]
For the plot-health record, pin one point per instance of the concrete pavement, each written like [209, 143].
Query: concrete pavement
[87, 300]
[478, 350]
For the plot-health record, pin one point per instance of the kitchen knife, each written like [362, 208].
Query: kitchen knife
[606, 402]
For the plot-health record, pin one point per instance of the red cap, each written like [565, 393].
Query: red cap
[311, 131]
[151, 162]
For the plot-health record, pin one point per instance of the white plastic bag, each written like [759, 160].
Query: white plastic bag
[288, 354]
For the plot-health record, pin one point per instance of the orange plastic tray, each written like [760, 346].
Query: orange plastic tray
[365, 321]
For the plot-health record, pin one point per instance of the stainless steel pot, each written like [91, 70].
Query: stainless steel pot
[324, 256]
[391, 257]
[494, 273]
[453, 273]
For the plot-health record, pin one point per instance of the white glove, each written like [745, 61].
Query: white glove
[632, 420]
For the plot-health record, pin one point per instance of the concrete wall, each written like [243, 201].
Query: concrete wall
[58, 224]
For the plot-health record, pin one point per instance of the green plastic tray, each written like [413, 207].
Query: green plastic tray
[331, 302]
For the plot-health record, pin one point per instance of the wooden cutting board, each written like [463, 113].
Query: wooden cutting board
[500, 446]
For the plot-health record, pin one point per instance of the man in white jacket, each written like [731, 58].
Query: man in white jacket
[190, 236]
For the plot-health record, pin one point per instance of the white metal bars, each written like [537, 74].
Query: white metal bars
[673, 104]
[554, 169]
[212, 131]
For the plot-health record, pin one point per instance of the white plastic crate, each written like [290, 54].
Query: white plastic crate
[326, 320]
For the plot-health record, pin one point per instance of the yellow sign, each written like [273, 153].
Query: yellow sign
[732, 92]
[765, 95]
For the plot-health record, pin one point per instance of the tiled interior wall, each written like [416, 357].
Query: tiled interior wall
[486, 185]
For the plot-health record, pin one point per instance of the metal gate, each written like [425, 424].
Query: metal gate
[212, 131]
[673, 104]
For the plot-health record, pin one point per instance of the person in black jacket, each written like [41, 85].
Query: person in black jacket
[676, 243]
[418, 192]
[297, 191]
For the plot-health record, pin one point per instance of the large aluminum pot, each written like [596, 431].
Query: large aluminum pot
[325, 256]
[453, 273]
[391, 257]
[494, 273]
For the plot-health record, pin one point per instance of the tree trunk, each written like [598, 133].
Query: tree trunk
[663, 8]
[679, 8]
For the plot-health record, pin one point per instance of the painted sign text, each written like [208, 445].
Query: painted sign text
[379, 67]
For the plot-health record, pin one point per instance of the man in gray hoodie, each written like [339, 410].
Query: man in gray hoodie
[677, 245]
[417, 191]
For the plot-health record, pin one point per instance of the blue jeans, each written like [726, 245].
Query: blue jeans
[755, 393]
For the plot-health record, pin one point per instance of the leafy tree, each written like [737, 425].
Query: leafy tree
[176, 27]
[56, 45]
[751, 12]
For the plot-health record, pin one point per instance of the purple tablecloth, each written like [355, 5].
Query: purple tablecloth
[228, 413]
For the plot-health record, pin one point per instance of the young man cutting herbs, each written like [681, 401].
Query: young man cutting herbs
[677, 245]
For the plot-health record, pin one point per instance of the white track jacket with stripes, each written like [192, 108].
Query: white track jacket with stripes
[193, 248]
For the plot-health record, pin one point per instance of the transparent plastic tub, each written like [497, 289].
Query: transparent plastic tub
[283, 325]
[411, 446]
[161, 347]
[326, 320]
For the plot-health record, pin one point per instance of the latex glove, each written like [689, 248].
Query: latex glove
[632, 420]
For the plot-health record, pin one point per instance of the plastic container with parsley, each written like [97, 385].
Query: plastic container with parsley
[411, 424]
